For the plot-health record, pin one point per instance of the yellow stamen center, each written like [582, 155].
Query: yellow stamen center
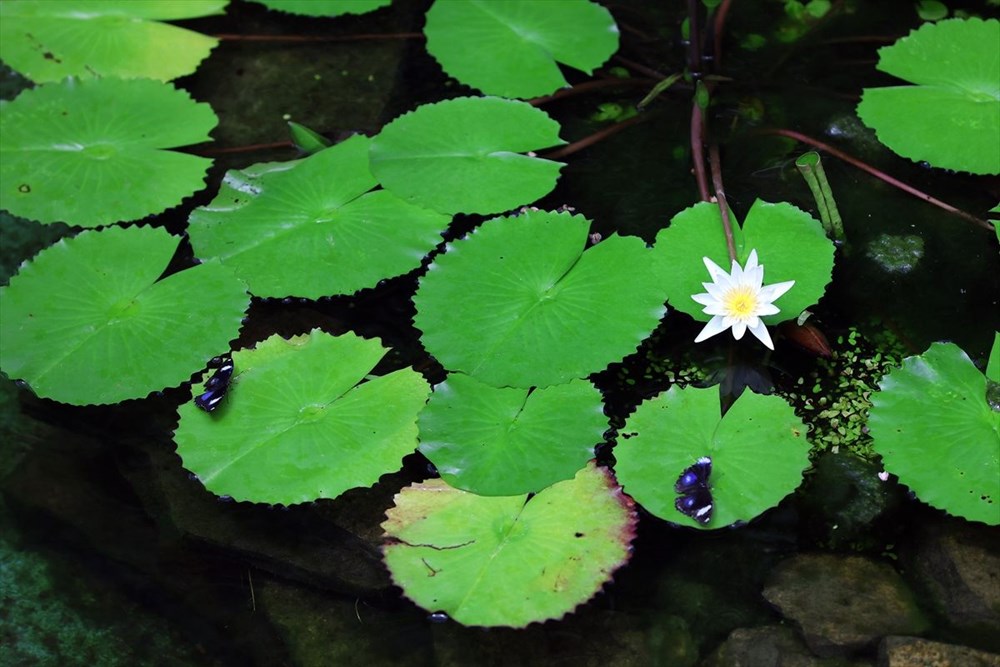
[740, 302]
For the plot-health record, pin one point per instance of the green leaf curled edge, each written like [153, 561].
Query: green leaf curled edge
[311, 228]
[512, 48]
[932, 425]
[506, 441]
[508, 560]
[464, 155]
[48, 41]
[522, 302]
[758, 450]
[300, 421]
[89, 320]
[93, 152]
[790, 245]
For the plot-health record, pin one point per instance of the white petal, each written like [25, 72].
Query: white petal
[714, 269]
[739, 328]
[772, 292]
[760, 332]
[752, 260]
[704, 299]
[715, 309]
[713, 327]
[765, 309]
[755, 277]
[737, 272]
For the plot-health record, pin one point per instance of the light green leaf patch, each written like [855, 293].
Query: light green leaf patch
[465, 155]
[301, 421]
[326, 8]
[508, 560]
[758, 451]
[311, 228]
[91, 153]
[502, 442]
[511, 48]
[90, 321]
[521, 302]
[49, 40]
[935, 430]
[790, 244]
[951, 117]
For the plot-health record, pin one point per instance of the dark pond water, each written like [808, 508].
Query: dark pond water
[110, 554]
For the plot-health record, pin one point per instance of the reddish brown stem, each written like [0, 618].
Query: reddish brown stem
[245, 149]
[720, 197]
[698, 151]
[592, 139]
[720, 23]
[881, 175]
[589, 86]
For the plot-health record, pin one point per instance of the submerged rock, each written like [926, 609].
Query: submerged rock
[770, 646]
[843, 604]
[897, 253]
[916, 652]
[956, 564]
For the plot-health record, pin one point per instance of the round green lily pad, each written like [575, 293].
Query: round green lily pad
[302, 420]
[92, 152]
[327, 8]
[933, 427]
[90, 320]
[311, 228]
[502, 442]
[512, 48]
[790, 245]
[465, 155]
[522, 302]
[758, 450]
[49, 40]
[951, 117]
[508, 560]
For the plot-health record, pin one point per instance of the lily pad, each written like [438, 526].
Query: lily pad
[508, 560]
[790, 244]
[91, 152]
[300, 421]
[48, 41]
[512, 48]
[933, 427]
[521, 302]
[90, 320]
[464, 155]
[502, 442]
[758, 451]
[311, 228]
[327, 8]
[951, 117]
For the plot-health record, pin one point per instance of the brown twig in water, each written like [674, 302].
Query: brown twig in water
[592, 139]
[589, 86]
[245, 149]
[881, 175]
[639, 67]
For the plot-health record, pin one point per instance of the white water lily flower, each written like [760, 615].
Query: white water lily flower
[738, 300]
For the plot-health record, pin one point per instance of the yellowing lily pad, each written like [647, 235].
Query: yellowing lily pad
[508, 560]
[48, 40]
